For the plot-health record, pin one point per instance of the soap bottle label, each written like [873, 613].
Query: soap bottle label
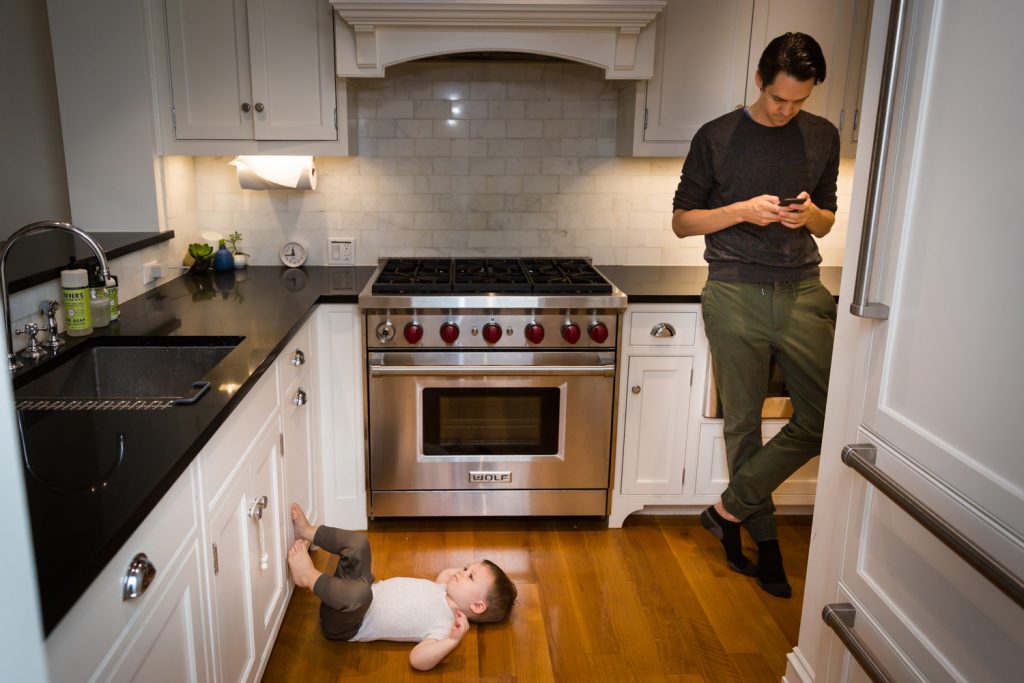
[77, 311]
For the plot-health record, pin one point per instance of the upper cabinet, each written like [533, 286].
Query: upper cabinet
[249, 76]
[706, 55]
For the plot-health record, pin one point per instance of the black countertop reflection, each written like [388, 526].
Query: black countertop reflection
[84, 499]
[40, 257]
[680, 284]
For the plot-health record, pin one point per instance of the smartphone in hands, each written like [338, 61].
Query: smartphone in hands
[792, 200]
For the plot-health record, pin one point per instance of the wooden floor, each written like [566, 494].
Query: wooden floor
[653, 601]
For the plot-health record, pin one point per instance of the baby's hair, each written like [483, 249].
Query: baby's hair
[500, 598]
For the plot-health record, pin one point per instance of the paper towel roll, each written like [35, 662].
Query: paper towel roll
[275, 172]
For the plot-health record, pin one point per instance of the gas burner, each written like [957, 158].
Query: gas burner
[565, 276]
[490, 275]
[414, 275]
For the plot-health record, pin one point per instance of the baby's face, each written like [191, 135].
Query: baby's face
[470, 584]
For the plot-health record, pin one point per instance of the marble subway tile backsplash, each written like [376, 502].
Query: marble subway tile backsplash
[461, 159]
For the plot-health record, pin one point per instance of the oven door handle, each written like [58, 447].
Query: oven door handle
[378, 370]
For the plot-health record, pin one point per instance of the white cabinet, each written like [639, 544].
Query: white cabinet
[300, 423]
[656, 411]
[256, 69]
[712, 475]
[161, 634]
[340, 407]
[705, 58]
[700, 73]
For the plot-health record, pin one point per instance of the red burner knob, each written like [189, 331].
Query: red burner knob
[534, 333]
[571, 332]
[449, 333]
[492, 333]
[598, 332]
[413, 332]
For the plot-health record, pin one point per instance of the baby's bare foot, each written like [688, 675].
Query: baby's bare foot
[303, 529]
[303, 572]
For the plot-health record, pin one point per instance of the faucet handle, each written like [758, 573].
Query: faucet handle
[34, 350]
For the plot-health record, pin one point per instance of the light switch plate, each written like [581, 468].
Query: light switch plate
[341, 251]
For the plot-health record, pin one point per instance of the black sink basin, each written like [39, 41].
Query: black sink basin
[127, 368]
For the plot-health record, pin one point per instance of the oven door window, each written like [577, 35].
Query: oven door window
[499, 421]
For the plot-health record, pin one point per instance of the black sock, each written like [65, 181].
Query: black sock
[771, 576]
[729, 534]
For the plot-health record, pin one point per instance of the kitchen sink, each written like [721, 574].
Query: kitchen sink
[111, 371]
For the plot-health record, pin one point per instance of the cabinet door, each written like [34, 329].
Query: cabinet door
[208, 49]
[292, 61]
[297, 415]
[266, 549]
[168, 645]
[700, 67]
[657, 409]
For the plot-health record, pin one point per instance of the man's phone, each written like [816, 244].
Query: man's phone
[792, 200]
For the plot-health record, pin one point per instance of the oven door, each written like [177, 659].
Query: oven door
[490, 420]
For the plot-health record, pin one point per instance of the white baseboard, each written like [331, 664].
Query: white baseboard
[797, 668]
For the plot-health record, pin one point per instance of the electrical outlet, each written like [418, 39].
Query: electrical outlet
[341, 251]
[151, 271]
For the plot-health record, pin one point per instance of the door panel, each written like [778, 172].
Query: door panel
[946, 371]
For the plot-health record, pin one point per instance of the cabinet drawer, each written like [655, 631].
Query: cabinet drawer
[228, 446]
[81, 641]
[296, 356]
[676, 328]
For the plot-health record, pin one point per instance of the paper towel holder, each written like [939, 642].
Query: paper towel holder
[271, 172]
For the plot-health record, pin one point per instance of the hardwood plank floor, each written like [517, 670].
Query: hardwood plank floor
[653, 601]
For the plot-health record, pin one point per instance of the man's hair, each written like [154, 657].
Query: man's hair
[500, 598]
[796, 54]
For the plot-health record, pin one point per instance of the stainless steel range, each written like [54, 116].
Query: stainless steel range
[491, 386]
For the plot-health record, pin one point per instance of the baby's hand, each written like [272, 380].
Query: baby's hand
[460, 627]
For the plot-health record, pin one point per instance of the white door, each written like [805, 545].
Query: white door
[932, 388]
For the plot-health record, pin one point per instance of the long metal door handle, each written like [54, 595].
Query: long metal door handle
[861, 458]
[861, 306]
[840, 617]
[502, 370]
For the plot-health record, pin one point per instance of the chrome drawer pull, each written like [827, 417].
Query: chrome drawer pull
[861, 458]
[301, 398]
[663, 330]
[299, 358]
[840, 617]
[140, 574]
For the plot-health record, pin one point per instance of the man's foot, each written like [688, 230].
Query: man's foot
[303, 529]
[303, 572]
[771, 576]
[729, 534]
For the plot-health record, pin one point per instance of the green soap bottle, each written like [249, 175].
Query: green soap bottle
[74, 284]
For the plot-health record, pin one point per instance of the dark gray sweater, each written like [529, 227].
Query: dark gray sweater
[734, 158]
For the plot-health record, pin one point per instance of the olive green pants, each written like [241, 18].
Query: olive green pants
[746, 325]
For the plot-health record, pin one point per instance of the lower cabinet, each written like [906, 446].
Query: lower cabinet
[248, 560]
[657, 407]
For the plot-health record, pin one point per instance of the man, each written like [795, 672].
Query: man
[760, 184]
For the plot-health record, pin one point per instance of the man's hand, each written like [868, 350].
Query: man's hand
[763, 210]
[795, 215]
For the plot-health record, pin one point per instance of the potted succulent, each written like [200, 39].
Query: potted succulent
[198, 258]
[241, 258]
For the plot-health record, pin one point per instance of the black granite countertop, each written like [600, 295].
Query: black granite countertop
[81, 514]
[80, 518]
[680, 284]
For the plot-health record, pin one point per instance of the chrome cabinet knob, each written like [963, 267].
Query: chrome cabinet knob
[246, 107]
[663, 330]
[259, 106]
[636, 389]
[140, 574]
[298, 358]
[257, 507]
[301, 398]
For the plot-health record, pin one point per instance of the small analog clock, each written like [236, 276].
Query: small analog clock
[293, 254]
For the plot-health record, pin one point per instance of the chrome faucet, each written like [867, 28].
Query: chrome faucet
[12, 359]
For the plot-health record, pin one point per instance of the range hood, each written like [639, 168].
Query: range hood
[614, 35]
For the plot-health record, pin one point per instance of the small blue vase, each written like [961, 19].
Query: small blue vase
[223, 260]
